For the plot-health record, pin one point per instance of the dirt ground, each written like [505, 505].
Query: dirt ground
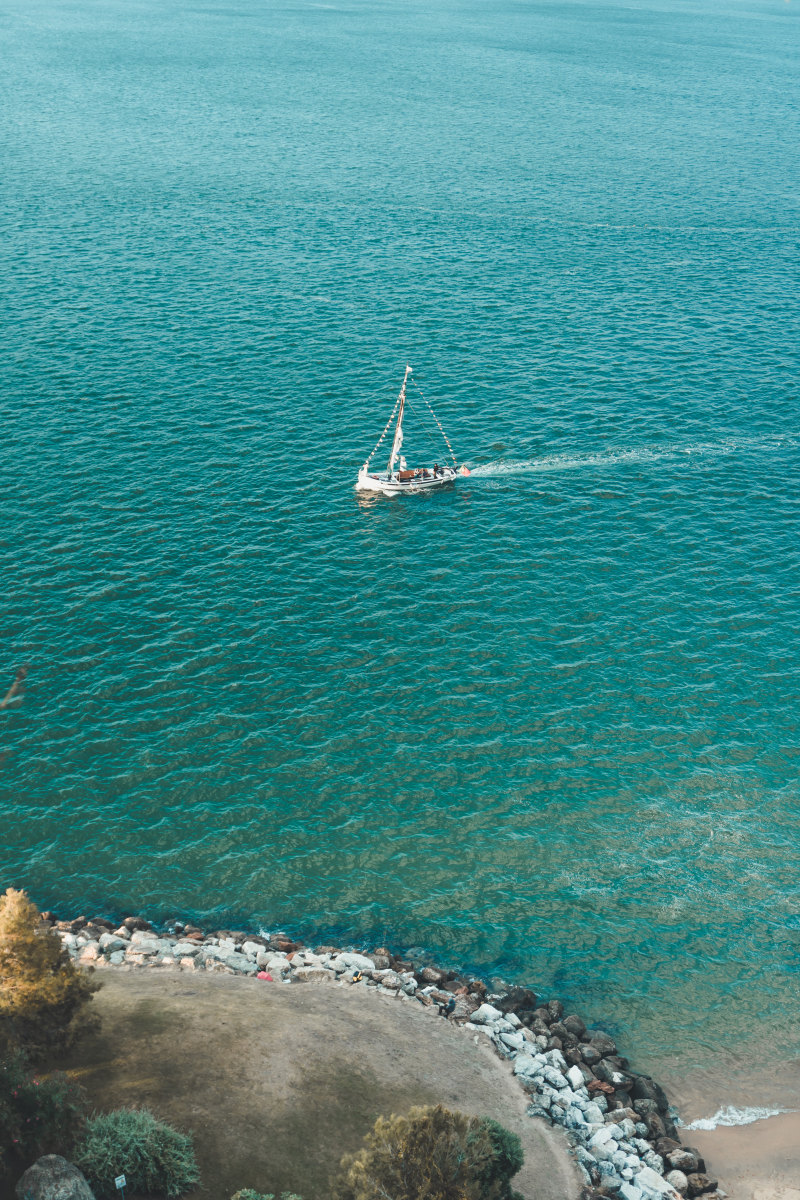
[277, 1081]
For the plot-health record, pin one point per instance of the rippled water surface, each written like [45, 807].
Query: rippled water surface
[545, 723]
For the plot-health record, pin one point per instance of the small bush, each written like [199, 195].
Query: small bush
[249, 1194]
[37, 1116]
[155, 1158]
[41, 992]
[431, 1153]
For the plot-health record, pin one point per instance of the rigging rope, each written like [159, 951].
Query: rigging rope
[436, 419]
[383, 435]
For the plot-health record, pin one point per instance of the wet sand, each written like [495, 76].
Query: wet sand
[760, 1161]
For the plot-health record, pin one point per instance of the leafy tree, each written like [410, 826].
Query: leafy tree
[37, 1116]
[156, 1159]
[41, 991]
[432, 1154]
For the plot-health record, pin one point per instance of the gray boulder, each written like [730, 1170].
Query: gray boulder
[53, 1178]
[602, 1042]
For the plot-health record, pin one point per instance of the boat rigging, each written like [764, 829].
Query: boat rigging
[394, 482]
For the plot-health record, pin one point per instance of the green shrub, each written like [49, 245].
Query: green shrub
[154, 1157]
[249, 1194]
[431, 1153]
[507, 1159]
[37, 1116]
[41, 992]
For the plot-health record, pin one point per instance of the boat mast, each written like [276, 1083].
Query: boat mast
[398, 433]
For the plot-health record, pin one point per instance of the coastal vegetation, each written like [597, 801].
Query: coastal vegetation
[432, 1153]
[42, 994]
[38, 1114]
[156, 1159]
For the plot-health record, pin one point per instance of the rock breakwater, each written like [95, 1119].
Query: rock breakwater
[618, 1120]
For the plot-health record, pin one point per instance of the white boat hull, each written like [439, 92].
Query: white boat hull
[394, 486]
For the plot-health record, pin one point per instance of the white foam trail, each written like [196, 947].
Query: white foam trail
[736, 1116]
[641, 454]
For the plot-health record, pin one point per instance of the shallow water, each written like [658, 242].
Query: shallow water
[543, 724]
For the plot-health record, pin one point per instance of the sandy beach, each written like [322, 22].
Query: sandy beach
[760, 1161]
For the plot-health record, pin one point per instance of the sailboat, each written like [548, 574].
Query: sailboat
[394, 482]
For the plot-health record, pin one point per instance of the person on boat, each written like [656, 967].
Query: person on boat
[435, 470]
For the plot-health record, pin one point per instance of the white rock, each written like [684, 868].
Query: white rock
[240, 963]
[527, 1064]
[352, 962]
[185, 949]
[575, 1077]
[312, 974]
[653, 1184]
[143, 935]
[602, 1136]
[679, 1181]
[117, 957]
[109, 942]
[554, 1078]
[487, 1014]
[514, 1040]
[629, 1191]
[514, 1019]
[573, 1118]
[251, 949]
[142, 950]
[277, 962]
[557, 1060]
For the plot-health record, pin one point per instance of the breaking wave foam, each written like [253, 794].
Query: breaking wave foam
[640, 454]
[736, 1116]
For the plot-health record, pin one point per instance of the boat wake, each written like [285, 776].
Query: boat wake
[736, 1116]
[641, 454]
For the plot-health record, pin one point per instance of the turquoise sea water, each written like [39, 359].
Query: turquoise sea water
[544, 724]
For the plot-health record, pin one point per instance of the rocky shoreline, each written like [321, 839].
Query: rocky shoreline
[623, 1133]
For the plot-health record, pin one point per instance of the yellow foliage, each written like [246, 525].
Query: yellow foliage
[41, 992]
